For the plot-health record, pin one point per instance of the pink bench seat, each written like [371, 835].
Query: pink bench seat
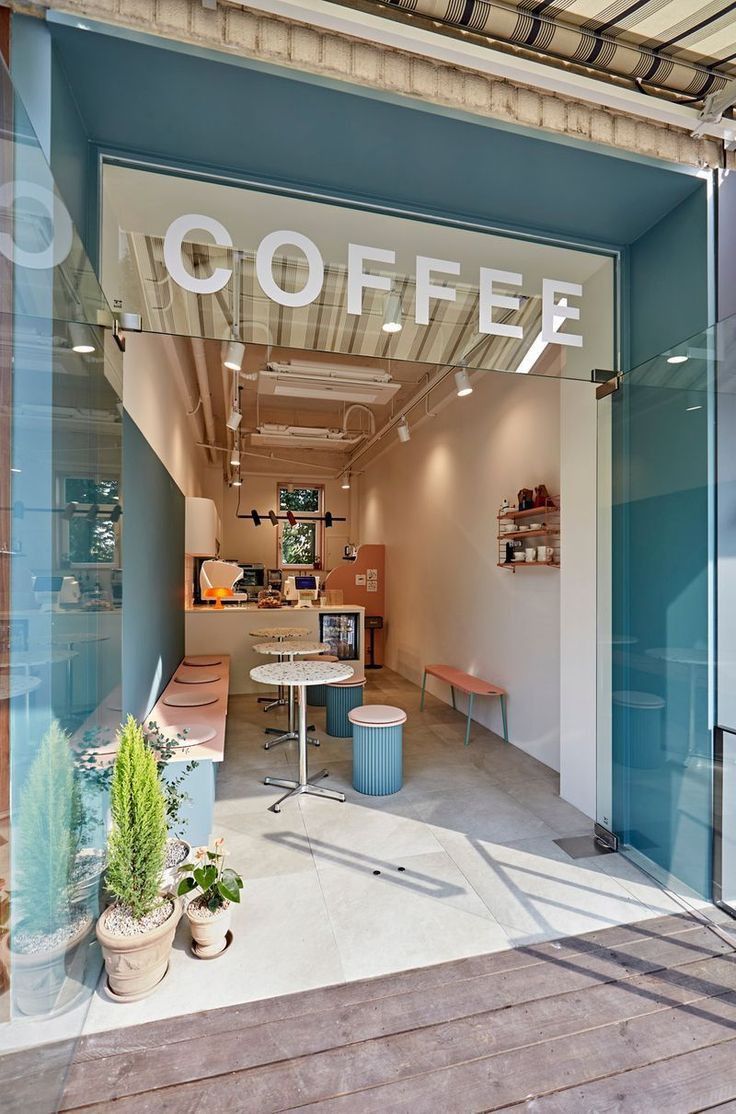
[467, 683]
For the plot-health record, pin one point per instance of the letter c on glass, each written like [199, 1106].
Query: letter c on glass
[173, 240]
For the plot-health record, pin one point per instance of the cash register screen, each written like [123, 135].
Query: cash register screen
[305, 583]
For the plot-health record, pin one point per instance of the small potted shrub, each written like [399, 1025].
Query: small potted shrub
[178, 849]
[50, 928]
[137, 931]
[208, 910]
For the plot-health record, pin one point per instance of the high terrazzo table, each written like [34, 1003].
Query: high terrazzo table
[290, 649]
[298, 675]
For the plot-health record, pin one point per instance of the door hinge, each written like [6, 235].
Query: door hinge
[603, 390]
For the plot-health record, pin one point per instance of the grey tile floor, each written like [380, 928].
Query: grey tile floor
[474, 830]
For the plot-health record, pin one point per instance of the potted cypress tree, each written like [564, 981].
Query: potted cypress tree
[136, 932]
[50, 928]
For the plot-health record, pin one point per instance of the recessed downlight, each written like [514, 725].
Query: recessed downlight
[677, 359]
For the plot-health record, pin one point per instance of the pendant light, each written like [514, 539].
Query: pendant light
[392, 314]
[237, 482]
[234, 354]
[462, 382]
[403, 430]
[81, 339]
[235, 458]
[345, 485]
[235, 418]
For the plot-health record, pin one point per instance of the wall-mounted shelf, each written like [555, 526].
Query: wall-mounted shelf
[549, 517]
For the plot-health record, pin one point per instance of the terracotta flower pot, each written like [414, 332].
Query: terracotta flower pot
[135, 965]
[45, 981]
[209, 933]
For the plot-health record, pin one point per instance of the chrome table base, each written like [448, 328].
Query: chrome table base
[305, 785]
[291, 732]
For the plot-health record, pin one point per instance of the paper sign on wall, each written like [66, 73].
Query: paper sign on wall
[372, 580]
[360, 579]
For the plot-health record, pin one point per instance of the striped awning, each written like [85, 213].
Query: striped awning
[681, 47]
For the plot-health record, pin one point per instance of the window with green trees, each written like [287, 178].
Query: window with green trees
[299, 545]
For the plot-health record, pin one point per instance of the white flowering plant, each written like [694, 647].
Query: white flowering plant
[216, 883]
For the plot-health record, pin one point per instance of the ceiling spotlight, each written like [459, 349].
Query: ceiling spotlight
[274, 519]
[291, 518]
[69, 511]
[256, 518]
[345, 485]
[237, 482]
[403, 430]
[235, 419]
[462, 382]
[328, 519]
[92, 513]
[234, 353]
[392, 314]
[116, 513]
[677, 359]
[81, 339]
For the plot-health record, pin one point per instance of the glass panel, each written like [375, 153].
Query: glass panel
[229, 274]
[60, 623]
[299, 499]
[299, 544]
[656, 663]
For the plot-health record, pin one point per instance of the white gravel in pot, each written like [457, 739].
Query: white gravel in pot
[120, 922]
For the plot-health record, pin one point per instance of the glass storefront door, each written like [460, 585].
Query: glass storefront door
[60, 611]
[656, 615]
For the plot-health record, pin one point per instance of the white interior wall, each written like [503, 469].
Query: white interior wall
[433, 502]
[243, 541]
[155, 401]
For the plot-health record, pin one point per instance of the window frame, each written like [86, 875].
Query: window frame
[317, 516]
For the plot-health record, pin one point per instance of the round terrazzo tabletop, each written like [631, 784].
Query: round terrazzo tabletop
[279, 632]
[293, 647]
[301, 673]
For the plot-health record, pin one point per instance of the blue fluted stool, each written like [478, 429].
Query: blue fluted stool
[342, 697]
[317, 694]
[378, 747]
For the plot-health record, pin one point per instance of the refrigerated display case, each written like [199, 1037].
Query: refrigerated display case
[341, 631]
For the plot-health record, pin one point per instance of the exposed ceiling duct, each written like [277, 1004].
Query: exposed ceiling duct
[332, 382]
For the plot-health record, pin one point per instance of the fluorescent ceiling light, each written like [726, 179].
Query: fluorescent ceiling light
[537, 347]
[677, 359]
[336, 382]
[392, 314]
[689, 409]
[462, 382]
[403, 430]
[234, 353]
[81, 339]
[306, 437]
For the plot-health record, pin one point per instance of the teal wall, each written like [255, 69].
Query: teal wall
[668, 285]
[153, 573]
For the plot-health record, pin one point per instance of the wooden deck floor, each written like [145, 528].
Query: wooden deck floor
[636, 1018]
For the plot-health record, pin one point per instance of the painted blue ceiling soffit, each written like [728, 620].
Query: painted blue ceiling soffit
[245, 121]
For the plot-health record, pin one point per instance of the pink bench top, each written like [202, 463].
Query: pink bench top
[464, 681]
[377, 715]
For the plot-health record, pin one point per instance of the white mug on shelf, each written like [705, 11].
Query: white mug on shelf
[531, 554]
[545, 552]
